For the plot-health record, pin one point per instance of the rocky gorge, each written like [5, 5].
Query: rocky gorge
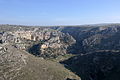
[96, 48]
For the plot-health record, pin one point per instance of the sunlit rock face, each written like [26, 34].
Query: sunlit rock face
[41, 42]
[76, 39]
[57, 45]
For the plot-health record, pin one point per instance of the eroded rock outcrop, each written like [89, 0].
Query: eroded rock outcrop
[57, 45]
[93, 38]
[41, 42]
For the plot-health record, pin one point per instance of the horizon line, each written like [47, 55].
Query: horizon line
[91, 24]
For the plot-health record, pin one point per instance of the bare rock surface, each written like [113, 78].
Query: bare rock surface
[43, 42]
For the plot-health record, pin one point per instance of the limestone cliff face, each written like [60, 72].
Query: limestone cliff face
[57, 45]
[59, 39]
[93, 38]
[47, 42]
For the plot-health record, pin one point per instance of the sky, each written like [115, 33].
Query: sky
[59, 12]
